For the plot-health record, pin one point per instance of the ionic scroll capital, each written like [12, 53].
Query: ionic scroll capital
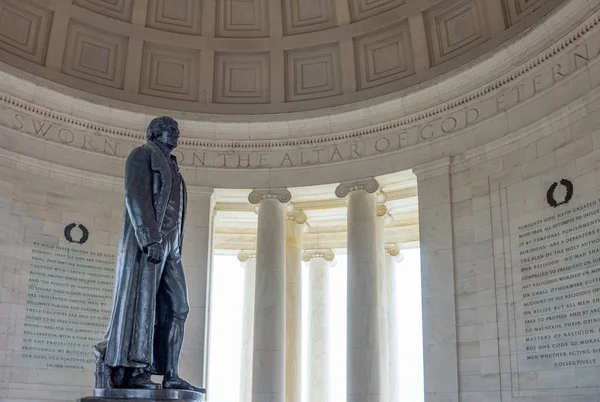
[327, 255]
[245, 255]
[394, 251]
[382, 210]
[296, 215]
[370, 185]
[281, 194]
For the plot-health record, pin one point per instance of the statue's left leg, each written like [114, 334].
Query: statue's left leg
[173, 290]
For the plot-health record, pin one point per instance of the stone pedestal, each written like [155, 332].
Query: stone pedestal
[142, 395]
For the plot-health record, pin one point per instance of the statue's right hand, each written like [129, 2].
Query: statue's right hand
[156, 252]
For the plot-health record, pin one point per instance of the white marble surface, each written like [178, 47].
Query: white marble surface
[268, 370]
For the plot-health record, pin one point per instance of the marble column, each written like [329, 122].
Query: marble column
[293, 304]
[318, 309]
[197, 259]
[392, 254]
[248, 261]
[363, 345]
[268, 360]
[382, 285]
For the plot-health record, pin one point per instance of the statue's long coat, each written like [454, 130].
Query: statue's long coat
[136, 313]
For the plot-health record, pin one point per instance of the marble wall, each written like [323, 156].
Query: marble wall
[55, 295]
[513, 225]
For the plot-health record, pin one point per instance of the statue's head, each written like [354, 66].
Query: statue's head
[164, 130]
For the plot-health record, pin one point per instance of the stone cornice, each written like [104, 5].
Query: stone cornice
[281, 194]
[369, 185]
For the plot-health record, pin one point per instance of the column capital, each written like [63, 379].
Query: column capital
[245, 255]
[327, 255]
[370, 185]
[259, 194]
[297, 216]
[394, 251]
[381, 210]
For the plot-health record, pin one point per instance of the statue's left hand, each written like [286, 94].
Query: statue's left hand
[156, 252]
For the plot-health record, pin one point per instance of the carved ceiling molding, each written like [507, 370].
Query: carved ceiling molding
[25, 122]
[335, 53]
[536, 63]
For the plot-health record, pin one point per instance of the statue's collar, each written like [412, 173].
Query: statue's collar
[158, 147]
[163, 151]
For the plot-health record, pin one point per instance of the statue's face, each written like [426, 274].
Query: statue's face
[170, 135]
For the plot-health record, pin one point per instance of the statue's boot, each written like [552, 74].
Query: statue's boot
[178, 383]
[141, 379]
[171, 379]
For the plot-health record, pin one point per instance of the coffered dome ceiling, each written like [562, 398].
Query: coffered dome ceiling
[253, 56]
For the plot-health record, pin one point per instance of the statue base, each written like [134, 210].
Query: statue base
[142, 395]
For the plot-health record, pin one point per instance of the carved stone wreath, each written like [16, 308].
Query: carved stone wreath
[550, 193]
[84, 237]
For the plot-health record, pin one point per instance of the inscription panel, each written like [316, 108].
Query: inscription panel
[555, 258]
[67, 306]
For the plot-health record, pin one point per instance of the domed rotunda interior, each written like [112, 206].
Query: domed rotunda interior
[376, 200]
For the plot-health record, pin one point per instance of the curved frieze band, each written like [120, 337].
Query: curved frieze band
[495, 109]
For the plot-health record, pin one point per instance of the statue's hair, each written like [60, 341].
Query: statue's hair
[158, 125]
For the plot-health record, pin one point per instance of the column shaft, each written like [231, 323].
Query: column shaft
[293, 302]
[382, 301]
[363, 349]
[319, 351]
[247, 330]
[268, 369]
[393, 327]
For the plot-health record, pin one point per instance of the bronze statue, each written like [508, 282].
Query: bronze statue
[150, 303]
